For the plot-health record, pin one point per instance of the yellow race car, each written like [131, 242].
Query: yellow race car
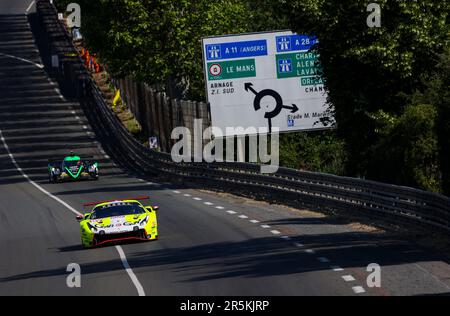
[117, 221]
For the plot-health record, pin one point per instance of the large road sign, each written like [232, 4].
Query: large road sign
[264, 80]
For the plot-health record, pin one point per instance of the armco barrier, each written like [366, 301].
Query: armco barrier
[394, 204]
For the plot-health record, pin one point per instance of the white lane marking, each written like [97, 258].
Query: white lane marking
[286, 237]
[299, 245]
[208, 203]
[176, 192]
[337, 268]
[85, 127]
[40, 66]
[265, 226]
[358, 289]
[220, 207]
[254, 221]
[70, 208]
[348, 278]
[59, 94]
[197, 199]
[73, 112]
[77, 118]
[130, 272]
[310, 251]
[29, 7]
[231, 212]
[275, 232]
[323, 259]
[243, 216]
[106, 156]
[186, 195]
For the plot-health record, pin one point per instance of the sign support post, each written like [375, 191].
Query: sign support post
[241, 148]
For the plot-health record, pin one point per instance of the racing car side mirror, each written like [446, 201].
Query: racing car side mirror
[80, 218]
[153, 208]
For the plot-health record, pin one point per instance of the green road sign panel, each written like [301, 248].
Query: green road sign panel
[297, 65]
[311, 81]
[245, 68]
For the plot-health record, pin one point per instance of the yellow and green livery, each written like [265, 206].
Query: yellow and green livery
[118, 221]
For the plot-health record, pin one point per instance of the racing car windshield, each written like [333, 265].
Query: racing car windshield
[117, 209]
[72, 163]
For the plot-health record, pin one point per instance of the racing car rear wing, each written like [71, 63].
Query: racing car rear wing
[139, 198]
[62, 159]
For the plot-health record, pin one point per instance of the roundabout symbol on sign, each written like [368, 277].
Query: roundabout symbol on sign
[276, 96]
[215, 70]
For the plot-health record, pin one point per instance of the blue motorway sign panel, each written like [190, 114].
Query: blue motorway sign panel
[294, 43]
[236, 50]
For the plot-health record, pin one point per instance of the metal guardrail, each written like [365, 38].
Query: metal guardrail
[394, 204]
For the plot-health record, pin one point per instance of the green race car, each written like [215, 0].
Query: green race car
[72, 167]
[117, 221]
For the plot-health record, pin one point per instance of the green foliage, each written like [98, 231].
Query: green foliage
[410, 146]
[437, 92]
[371, 74]
[319, 151]
[158, 41]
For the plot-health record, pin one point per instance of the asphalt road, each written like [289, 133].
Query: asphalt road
[209, 244]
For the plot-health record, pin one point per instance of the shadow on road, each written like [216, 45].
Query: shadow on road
[255, 258]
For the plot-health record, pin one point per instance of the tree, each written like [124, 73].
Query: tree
[438, 93]
[318, 151]
[371, 69]
[158, 41]
[410, 144]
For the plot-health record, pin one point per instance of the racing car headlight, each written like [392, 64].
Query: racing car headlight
[144, 221]
[91, 227]
[93, 168]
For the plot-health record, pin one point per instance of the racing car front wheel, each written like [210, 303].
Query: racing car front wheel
[52, 178]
